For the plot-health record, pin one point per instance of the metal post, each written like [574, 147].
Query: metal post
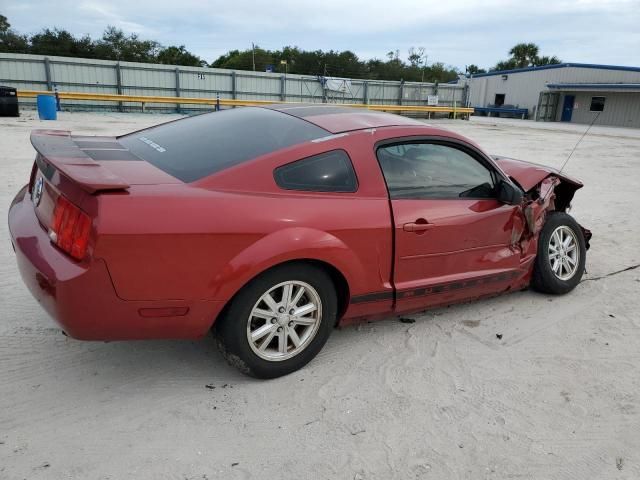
[217, 102]
[401, 92]
[253, 55]
[119, 85]
[283, 87]
[233, 85]
[58, 107]
[286, 68]
[47, 73]
[365, 93]
[178, 88]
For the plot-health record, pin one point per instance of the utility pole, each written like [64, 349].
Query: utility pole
[253, 55]
[286, 68]
[424, 65]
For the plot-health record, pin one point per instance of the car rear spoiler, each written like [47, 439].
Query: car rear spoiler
[58, 149]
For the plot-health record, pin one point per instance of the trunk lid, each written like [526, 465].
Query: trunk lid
[96, 164]
[81, 166]
[59, 150]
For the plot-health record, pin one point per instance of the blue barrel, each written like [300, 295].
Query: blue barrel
[47, 107]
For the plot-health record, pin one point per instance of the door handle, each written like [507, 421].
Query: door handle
[417, 227]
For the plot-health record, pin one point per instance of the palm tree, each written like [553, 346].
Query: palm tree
[547, 61]
[524, 54]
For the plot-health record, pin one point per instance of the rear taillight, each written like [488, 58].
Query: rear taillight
[70, 228]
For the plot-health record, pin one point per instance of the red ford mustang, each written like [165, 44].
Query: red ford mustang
[271, 225]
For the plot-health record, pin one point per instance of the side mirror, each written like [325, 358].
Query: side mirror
[508, 193]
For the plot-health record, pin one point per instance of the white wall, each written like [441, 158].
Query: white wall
[523, 88]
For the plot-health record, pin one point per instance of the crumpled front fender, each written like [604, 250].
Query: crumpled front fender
[531, 175]
[528, 174]
[535, 211]
[553, 193]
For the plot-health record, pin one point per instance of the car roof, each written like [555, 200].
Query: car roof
[338, 119]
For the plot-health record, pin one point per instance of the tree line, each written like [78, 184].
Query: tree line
[338, 64]
[117, 45]
[113, 45]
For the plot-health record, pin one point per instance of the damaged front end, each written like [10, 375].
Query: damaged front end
[545, 190]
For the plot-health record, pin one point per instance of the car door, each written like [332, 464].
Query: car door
[453, 238]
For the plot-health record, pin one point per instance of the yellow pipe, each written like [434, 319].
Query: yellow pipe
[105, 97]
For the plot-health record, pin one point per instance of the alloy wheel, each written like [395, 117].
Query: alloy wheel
[564, 253]
[284, 320]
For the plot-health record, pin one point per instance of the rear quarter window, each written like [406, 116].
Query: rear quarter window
[327, 172]
[198, 146]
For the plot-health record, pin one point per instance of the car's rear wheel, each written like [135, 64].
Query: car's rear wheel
[279, 321]
[561, 255]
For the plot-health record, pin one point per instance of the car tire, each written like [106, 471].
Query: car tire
[258, 337]
[561, 257]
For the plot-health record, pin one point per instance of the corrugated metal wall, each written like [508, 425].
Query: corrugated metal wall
[36, 72]
[522, 89]
[620, 109]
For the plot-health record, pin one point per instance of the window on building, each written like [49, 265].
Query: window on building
[499, 100]
[597, 104]
[327, 172]
[425, 170]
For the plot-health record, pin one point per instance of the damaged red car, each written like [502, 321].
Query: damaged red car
[271, 225]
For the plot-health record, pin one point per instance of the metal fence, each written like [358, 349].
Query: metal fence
[37, 72]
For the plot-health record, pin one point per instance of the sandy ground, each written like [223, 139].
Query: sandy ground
[557, 397]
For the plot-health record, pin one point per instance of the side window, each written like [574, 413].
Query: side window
[429, 170]
[327, 172]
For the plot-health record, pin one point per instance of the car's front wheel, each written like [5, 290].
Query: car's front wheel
[279, 321]
[561, 255]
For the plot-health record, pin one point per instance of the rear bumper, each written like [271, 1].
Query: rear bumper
[80, 295]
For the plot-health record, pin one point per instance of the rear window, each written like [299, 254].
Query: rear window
[201, 145]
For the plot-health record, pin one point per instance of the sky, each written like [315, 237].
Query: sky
[454, 32]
